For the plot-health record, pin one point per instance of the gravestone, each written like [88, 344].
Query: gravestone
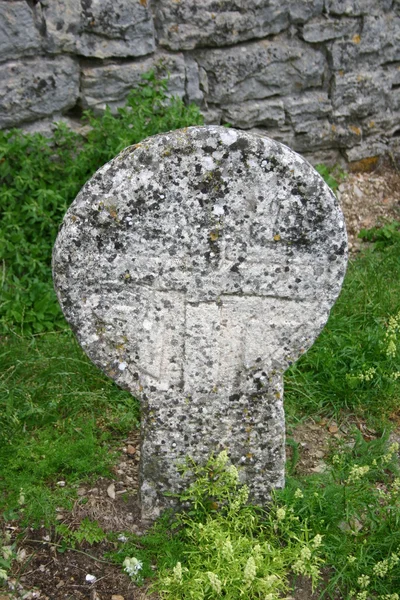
[194, 268]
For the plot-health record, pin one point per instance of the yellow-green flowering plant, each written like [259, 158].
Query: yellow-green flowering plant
[234, 550]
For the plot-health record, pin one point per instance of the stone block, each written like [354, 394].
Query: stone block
[359, 95]
[367, 149]
[357, 7]
[259, 70]
[323, 29]
[253, 113]
[301, 11]
[37, 88]
[377, 44]
[192, 24]
[194, 268]
[109, 84]
[384, 124]
[306, 108]
[193, 91]
[212, 115]
[324, 135]
[18, 33]
[99, 28]
[283, 135]
[330, 157]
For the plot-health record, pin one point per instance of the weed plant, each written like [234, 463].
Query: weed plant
[332, 175]
[39, 178]
[343, 523]
[382, 236]
[355, 508]
[231, 549]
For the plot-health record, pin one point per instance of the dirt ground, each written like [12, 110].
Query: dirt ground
[44, 573]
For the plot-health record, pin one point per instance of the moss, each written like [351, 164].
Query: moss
[365, 165]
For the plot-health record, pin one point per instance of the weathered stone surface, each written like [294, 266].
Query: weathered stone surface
[194, 268]
[357, 7]
[253, 113]
[260, 69]
[385, 124]
[301, 11]
[18, 33]
[212, 115]
[224, 67]
[193, 91]
[323, 29]
[378, 43]
[99, 28]
[359, 94]
[307, 107]
[36, 88]
[110, 84]
[366, 149]
[192, 24]
[322, 135]
[284, 134]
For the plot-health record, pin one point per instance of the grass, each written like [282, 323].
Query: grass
[59, 420]
[330, 378]
[62, 420]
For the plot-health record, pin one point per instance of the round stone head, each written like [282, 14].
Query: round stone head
[198, 255]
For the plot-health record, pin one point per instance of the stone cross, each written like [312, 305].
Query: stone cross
[194, 268]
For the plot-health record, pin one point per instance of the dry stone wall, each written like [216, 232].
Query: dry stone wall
[322, 76]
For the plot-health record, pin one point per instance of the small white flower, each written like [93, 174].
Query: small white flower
[178, 572]
[356, 472]
[351, 559]
[227, 549]
[7, 552]
[363, 581]
[234, 474]
[305, 553]
[317, 541]
[280, 514]
[215, 582]
[250, 570]
[132, 566]
[90, 578]
[122, 538]
[381, 568]
[221, 459]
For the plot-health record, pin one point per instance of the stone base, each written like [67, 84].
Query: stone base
[248, 424]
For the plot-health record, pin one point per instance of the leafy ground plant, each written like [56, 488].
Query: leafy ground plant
[332, 175]
[229, 548]
[344, 522]
[383, 236]
[39, 178]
